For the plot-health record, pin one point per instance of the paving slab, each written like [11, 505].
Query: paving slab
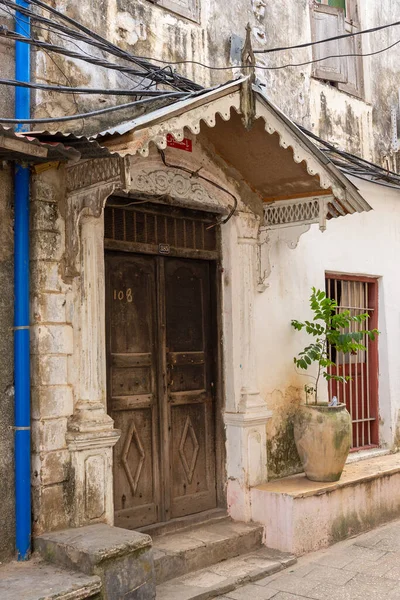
[366, 567]
[37, 580]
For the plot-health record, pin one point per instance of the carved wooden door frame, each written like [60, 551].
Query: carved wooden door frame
[213, 260]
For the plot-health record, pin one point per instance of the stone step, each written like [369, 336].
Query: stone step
[37, 580]
[123, 559]
[208, 517]
[225, 576]
[180, 553]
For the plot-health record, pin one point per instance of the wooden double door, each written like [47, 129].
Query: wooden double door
[161, 386]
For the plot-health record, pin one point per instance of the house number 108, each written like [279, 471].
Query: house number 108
[121, 295]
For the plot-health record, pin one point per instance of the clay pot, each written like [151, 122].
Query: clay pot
[323, 436]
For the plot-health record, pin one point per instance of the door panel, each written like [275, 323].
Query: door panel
[160, 387]
[190, 398]
[131, 295]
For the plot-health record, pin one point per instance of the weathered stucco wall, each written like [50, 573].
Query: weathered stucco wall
[6, 368]
[145, 29]
[51, 346]
[359, 244]
[7, 520]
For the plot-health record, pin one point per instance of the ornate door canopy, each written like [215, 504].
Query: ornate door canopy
[273, 156]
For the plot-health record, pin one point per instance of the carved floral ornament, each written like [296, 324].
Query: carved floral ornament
[92, 182]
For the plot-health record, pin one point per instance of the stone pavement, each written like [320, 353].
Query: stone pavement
[366, 567]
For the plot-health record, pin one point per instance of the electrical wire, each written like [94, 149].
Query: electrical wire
[105, 45]
[51, 58]
[210, 181]
[268, 50]
[355, 165]
[64, 89]
[343, 153]
[173, 79]
[331, 39]
[310, 62]
[92, 113]
[156, 72]
[387, 185]
[121, 68]
[8, 34]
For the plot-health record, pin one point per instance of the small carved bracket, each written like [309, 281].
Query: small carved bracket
[266, 239]
[286, 221]
[89, 184]
[299, 211]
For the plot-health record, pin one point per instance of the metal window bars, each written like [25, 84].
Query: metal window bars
[360, 393]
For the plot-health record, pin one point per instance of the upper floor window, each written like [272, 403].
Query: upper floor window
[186, 8]
[329, 19]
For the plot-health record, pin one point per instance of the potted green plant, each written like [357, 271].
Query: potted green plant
[322, 430]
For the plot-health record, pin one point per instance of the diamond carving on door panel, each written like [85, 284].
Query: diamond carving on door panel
[132, 437]
[188, 432]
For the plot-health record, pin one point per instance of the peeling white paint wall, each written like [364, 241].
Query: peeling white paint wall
[145, 29]
[360, 244]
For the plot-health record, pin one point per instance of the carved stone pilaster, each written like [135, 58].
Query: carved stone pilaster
[91, 434]
[88, 185]
[90, 410]
[246, 426]
[248, 227]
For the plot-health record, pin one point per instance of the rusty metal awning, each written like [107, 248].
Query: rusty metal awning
[274, 156]
[22, 147]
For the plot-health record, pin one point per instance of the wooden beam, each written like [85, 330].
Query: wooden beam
[315, 194]
[22, 146]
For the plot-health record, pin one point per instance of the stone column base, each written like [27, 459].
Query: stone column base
[246, 458]
[91, 465]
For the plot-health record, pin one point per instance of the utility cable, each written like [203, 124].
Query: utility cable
[343, 153]
[266, 51]
[8, 34]
[310, 62]
[331, 39]
[174, 78]
[210, 181]
[51, 58]
[106, 64]
[159, 73]
[65, 89]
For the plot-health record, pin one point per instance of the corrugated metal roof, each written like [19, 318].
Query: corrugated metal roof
[173, 109]
[23, 147]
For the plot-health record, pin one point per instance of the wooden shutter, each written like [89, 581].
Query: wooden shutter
[185, 8]
[355, 79]
[328, 22]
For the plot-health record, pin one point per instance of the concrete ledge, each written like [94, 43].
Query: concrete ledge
[122, 559]
[301, 516]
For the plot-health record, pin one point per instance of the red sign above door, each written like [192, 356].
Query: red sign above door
[185, 144]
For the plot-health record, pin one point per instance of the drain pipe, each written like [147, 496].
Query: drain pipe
[21, 307]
